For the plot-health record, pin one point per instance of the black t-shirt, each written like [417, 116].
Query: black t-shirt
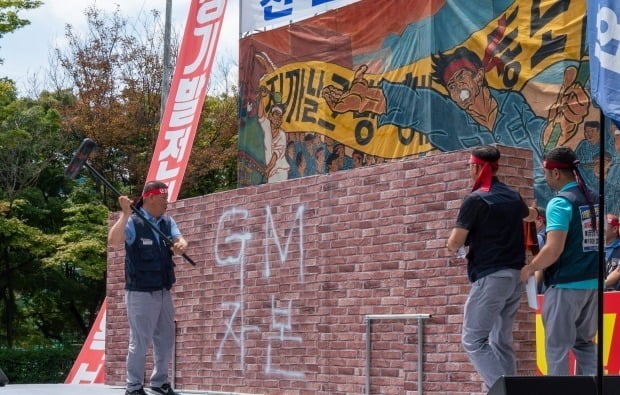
[494, 220]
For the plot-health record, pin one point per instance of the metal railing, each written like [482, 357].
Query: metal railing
[370, 317]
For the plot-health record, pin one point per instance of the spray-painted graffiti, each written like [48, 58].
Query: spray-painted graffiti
[231, 243]
[281, 321]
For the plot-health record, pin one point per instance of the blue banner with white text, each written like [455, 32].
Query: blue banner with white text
[604, 46]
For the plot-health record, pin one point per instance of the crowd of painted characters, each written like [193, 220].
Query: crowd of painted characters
[308, 154]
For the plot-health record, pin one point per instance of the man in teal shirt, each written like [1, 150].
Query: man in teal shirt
[569, 259]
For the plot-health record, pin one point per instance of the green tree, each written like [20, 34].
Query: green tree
[116, 75]
[51, 291]
[22, 249]
[212, 165]
[9, 15]
[39, 303]
[30, 141]
[77, 268]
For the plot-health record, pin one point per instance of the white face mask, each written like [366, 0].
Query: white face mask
[464, 94]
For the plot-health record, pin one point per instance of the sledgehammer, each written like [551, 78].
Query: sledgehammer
[80, 160]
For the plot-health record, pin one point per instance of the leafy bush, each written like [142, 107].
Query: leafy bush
[38, 364]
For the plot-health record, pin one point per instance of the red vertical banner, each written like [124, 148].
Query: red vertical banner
[187, 93]
[89, 365]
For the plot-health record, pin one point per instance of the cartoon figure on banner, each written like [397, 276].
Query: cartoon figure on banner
[314, 147]
[481, 114]
[276, 165]
[587, 149]
[612, 185]
[319, 155]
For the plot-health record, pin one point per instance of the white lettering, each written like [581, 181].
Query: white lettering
[607, 29]
[186, 100]
[98, 342]
[270, 229]
[234, 237]
[177, 143]
[209, 16]
[163, 172]
[210, 11]
[85, 376]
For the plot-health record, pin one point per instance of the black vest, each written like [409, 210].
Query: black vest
[148, 262]
[574, 264]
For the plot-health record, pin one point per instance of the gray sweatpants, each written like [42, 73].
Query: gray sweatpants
[151, 319]
[490, 311]
[570, 317]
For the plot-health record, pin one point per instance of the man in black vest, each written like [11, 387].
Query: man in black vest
[149, 275]
[490, 222]
[570, 263]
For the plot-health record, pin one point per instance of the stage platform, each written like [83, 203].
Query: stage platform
[79, 389]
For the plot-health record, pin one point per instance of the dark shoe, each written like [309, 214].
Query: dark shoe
[139, 391]
[165, 389]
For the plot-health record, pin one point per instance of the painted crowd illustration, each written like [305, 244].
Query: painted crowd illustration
[352, 88]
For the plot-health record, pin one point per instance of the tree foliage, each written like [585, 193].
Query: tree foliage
[30, 141]
[41, 300]
[9, 15]
[116, 76]
[213, 163]
[53, 230]
[22, 249]
[78, 264]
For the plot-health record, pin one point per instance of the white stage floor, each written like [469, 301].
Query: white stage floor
[79, 389]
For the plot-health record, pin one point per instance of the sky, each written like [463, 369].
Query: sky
[26, 51]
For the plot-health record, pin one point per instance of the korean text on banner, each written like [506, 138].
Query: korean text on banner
[604, 48]
[187, 94]
[88, 368]
[261, 14]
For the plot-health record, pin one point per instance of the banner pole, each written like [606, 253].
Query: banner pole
[602, 220]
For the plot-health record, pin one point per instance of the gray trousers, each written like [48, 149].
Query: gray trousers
[490, 311]
[570, 317]
[151, 319]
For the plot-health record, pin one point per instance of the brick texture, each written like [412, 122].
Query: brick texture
[286, 273]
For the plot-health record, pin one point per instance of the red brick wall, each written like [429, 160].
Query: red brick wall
[318, 254]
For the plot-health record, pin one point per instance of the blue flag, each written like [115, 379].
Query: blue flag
[604, 50]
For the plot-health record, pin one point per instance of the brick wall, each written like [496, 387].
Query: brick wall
[287, 272]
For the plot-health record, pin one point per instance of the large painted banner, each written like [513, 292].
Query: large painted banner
[380, 80]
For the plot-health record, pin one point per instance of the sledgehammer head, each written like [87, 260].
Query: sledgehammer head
[80, 157]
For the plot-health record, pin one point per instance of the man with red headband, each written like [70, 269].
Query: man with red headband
[612, 253]
[490, 222]
[149, 275]
[569, 260]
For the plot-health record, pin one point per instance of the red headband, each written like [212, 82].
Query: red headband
[483, 181]
[613, 221]
[156, 191]
[458, 65]
[549, 164]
